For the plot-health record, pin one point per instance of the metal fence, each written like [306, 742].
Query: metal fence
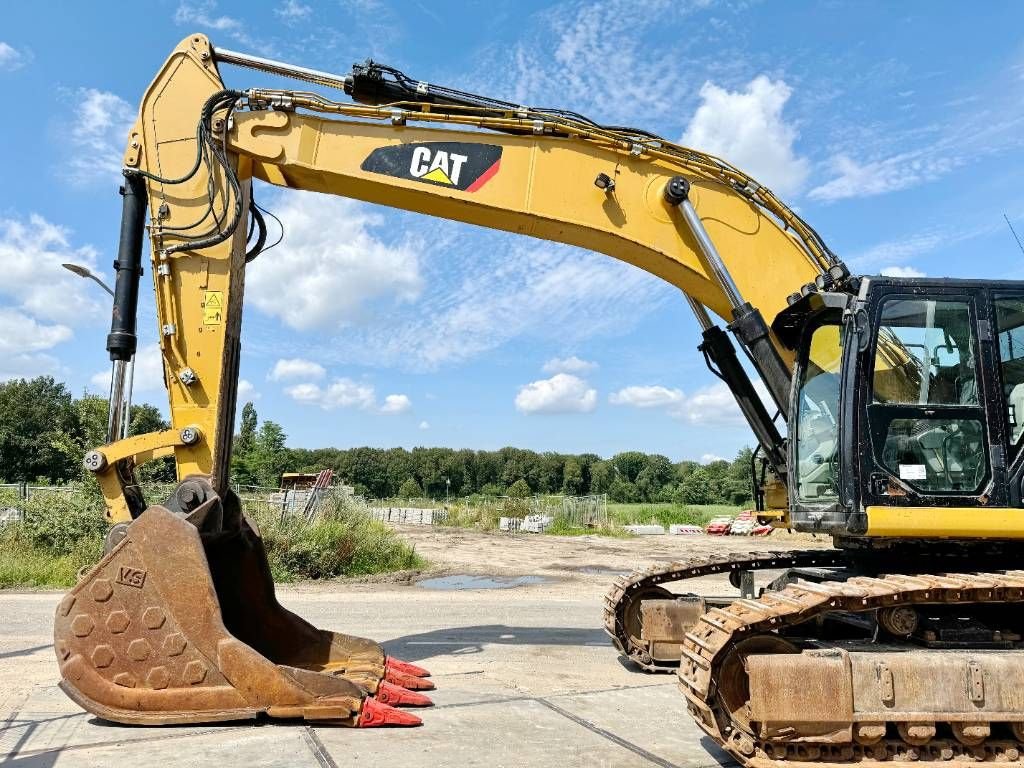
[586, 511]
[24, 491]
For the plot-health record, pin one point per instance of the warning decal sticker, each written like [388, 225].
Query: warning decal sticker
[460, 165]
[213, 308]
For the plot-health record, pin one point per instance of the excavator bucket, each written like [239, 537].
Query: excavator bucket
[179, 623]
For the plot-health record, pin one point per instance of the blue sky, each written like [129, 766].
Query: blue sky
[895, 129]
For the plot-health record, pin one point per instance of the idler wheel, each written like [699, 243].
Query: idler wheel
[733, 681]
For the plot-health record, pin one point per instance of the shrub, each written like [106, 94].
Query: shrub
[410, 490]
[343, 541]
[63, 522]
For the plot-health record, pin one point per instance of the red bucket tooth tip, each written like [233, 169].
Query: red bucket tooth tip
[374, 714]
[408, 681]
[405, 667]
[395, 696]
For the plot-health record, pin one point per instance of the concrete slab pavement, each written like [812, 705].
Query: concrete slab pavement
[524, 677]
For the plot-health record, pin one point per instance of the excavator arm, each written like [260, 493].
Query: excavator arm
[696, 222]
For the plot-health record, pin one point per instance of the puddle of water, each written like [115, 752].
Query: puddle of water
[465, 581]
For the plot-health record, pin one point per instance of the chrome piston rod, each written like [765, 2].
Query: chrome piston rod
[747, 325]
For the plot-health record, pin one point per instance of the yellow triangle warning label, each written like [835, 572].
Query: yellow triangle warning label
[439, 176]
[213, 308]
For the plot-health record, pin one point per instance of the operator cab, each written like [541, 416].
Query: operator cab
[909, 394]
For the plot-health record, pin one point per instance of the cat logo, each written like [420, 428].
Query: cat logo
[461, 165]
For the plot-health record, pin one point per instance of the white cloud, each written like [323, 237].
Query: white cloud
[710, 458]
[747, 129]
[896, 250]
[20, 333]
[330, 265]
[568, 365]
[396, 404]
[424, 425]
[901, 272]
[31, 254]
[596, 57]
[654, 396]
[562, 393]
[246, 391]
[893, 254]
[28, 366]
[309, 394]
[481, 297]
[902, 171]
[293, 10]
[97, 132]
[296, 368]
[346, 393]
[203, 14]
[10, 58]
[713, 405]
[149, 372]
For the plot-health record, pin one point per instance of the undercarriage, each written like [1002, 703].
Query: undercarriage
[837, 661]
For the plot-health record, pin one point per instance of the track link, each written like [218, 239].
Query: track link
[706, 646]
[626, 588]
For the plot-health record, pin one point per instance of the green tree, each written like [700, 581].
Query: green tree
[410, 490]
[629, 464]
[493, 489]
[246, 439]
[39, 431]
[601, 475]
[696, 488]
[623, 492]
[572, 477]
[143, 419]
[520, 489]
[269, 456]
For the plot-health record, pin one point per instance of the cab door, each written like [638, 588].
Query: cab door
[928, 422]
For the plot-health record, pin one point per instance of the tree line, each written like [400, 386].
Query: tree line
[260, 456]
[45, 432]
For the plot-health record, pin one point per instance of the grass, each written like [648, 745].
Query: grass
[26, 565]
[62, 532]
[668, 513]
[561, 527]
[343, 541]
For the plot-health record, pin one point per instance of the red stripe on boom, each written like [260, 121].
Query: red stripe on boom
[484, 177]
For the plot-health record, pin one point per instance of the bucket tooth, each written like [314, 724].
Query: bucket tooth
[405, 667]
[375, 714]
[396, 696]
[408, 681]
[179, 623]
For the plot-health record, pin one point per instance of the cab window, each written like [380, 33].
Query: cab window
[925, 354]
[818, 418]
[1010, 327]
[926, 406]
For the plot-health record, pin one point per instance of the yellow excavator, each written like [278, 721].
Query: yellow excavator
[902, 402]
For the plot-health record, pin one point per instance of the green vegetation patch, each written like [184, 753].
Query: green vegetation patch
[668, 513]
[343, 541]
[60, 534]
